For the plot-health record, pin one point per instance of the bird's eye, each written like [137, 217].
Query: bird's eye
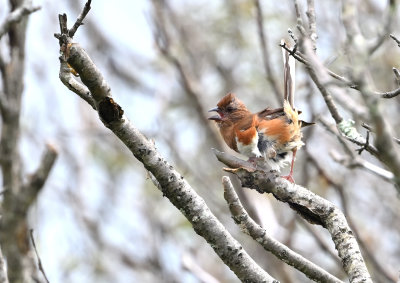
[230, 108]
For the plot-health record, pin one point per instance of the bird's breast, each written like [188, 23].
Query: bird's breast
[247, 142]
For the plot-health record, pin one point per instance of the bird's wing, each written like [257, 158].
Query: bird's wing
[246, 122]
[269, 113]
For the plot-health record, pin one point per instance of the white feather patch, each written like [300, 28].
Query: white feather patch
[249, 150]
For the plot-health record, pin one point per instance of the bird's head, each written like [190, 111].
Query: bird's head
[229, 109]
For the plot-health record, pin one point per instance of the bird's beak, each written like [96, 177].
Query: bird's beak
[215, 109]
[216, 118]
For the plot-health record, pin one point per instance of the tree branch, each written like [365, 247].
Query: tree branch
[16, 15]
[312, 23]
[38, 257]
[38, 178]
[79, 20]
[259, 234]
[358, 162]
[310, 206]
[315, 67]
[384, 151]
[389, 19]
[299, 25]
[353, 160]
[390, 94]
[370, 256]
[389, 152]
[72, 84]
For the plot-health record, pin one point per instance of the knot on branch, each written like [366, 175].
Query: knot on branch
[109, 110]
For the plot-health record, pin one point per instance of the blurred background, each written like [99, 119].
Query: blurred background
[100, 219]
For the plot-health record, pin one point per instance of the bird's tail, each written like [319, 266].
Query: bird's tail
[289, 75]
[292, 114]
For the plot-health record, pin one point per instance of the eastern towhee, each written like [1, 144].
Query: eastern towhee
[272, 134]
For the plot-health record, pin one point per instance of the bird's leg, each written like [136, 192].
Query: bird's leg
[290, 176]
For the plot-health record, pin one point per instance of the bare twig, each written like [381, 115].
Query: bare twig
[295, 53]
[352, 160]
[390, 94]
[389, 18]
[389, 152]
[350, 21]
[356, 162]
[324, 246]
[348, 131]
[16, 15]
[66, 34]
[79, 20]
[366, 126]
[259, 234]
[396, 75]
[300, 25]
[365, 146]
[38, 257]
[369, 128]
[346, 82]
[315, 67]
[300, 57]
[193, 267]
[395, 39]
[312, 23]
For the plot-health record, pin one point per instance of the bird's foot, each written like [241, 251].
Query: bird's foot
[289, 178]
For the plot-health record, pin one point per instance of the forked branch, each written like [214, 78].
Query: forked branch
[310, 206]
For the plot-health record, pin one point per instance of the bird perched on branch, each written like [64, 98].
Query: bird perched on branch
[272, 135]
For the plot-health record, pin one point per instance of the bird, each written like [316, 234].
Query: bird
[270, 135]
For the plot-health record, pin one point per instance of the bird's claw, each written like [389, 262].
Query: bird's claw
[289, 178]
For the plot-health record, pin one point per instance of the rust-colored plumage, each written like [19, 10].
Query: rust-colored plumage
[271, 134]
